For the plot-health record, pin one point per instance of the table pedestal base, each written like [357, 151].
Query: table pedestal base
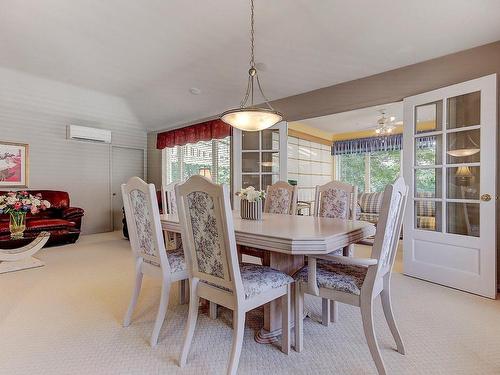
[22, 264]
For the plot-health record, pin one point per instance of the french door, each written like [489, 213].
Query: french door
[259, 158]
[450, 165]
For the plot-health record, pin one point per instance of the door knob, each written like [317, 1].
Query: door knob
[114, 194]
[486, 197]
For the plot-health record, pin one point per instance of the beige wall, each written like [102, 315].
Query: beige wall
[37, 111]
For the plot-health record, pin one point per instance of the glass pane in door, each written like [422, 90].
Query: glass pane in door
[251, 180]
[428, 215]
[463, 146]
[270, 139]
[429, 117]
[270, 162]
[463, 218]
[463, 182]
[464, 110]
[269, 179]
[249, 140]
[428, 150]
[250, 162]
[428, 183]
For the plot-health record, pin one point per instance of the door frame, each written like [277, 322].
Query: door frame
[489, 110]
[110, 184]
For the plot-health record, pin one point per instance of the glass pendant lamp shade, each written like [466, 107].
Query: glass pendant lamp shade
[251, 119]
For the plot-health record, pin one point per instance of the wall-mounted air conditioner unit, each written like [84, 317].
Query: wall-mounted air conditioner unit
[83, 133]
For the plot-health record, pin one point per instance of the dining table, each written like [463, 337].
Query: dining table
[286, 241]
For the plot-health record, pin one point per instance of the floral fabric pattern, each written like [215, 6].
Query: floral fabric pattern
[205, 234]
[280, 201]
[334, 204]
[258, 279]
[143, 222]
[335, 276]
[171, 202]
[176, 260]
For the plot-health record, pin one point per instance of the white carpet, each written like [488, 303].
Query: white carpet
[65, 318]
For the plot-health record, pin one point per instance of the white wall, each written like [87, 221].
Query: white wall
[36, 111]
[310, 164]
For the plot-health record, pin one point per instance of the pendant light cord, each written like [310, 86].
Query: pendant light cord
[252, 35]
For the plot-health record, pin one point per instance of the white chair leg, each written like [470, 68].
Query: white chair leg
[334, 311]
[162, 312]
[194, 301]
[285, 321]
[385, 296]
[238, 333]
[325, 312]
[135, 293]
[299, 319]
[212, 310]
[371, 338]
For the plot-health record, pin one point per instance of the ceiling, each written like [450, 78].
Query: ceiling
[354, 121]
[152, 52]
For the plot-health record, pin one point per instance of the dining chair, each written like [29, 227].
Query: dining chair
[214, 272]
[337, 200]
[281, 198]
[146, 239]
[173, 241]
[358, 281]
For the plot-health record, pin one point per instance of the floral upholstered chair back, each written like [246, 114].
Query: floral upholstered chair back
[281, 198]
[207, 227]
[336, 200]
[389, 226]
[143, 221]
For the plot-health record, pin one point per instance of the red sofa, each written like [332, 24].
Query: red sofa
[61, 220]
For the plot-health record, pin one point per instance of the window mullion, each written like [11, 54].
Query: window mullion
[367, 173]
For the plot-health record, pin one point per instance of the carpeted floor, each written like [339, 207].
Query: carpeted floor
[65, 318]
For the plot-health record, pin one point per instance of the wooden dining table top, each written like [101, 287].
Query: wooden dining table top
[291, 234]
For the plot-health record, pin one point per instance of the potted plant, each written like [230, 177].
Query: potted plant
[251, 203]
[17, 204]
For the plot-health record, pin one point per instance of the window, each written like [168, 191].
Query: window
[208, 158]
[370, 171]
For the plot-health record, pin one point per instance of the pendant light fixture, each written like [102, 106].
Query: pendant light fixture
[249, 117]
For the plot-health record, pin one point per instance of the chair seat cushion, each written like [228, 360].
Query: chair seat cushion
[371, 218]
[175, 260]
[258, 279]
[335, 276]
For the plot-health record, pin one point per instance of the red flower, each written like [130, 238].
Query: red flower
[17, 205]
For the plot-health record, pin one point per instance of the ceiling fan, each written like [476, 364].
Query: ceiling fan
[385, 124]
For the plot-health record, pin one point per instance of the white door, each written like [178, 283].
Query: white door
[450, 165]
[126, 163]
[259, 158]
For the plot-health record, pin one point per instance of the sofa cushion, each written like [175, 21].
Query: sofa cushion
[371, 202]
[372, 218]
[48, 224]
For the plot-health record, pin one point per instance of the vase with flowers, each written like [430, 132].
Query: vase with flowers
[17, 205]
[251, 202]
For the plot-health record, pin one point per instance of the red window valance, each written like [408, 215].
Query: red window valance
[205, 131]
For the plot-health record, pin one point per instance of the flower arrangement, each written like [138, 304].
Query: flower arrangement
[22, 201]
[17, 204]
[251, 195]
[251, 203]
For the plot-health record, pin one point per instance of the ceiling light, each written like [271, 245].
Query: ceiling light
[249, 117]
[463, 152]
[385, 125]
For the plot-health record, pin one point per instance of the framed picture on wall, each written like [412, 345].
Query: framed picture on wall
[14, 164]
